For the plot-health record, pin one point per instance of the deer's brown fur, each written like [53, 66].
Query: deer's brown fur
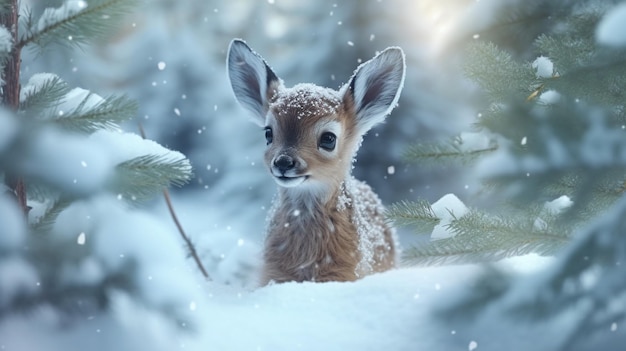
[325, 225]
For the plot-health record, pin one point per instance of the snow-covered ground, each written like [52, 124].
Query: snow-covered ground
[388, 311]
[395, 310]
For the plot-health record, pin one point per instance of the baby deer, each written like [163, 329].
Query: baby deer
[326, 225]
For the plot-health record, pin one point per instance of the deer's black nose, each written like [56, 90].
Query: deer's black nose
[284, 163]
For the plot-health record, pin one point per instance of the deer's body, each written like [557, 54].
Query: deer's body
[325, 225]
[322, 242]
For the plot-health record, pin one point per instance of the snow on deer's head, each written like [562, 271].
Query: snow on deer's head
[312, 132]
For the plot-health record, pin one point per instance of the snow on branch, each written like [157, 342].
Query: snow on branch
[75, 23]
[94, 113]
[416, 214]
[45, 223]
[43, 91]
[479, 237]
[48, 97]
[146, 175]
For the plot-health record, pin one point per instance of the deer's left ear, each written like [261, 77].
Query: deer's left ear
[375, 87]
[252, 80]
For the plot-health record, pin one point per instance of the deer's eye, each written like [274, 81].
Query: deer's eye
[269, 136]
[328, 141]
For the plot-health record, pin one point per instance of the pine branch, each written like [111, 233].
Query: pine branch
[494, 70]
[449, 151]
[45, 223]
[482, 238]
[45, 96]
[104, 115]
[417, 214]
[75, 23]
[143, 176]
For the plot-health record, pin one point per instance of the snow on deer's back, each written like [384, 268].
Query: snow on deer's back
[325, 225]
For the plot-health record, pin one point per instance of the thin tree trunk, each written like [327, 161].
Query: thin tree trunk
[11, 89]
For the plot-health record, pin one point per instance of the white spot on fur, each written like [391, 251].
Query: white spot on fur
[331, 226]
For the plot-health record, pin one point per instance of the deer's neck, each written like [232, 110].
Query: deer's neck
[311, 238]
[310, 202]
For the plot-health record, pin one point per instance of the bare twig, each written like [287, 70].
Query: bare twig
[190, 246]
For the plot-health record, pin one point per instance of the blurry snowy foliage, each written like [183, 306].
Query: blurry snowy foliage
[555, 177]
[81, 248]
[185, 103]
[560, 145]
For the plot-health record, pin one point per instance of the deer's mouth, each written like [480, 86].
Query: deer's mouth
[290, 182]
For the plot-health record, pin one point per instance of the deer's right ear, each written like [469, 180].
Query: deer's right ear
[252, 80]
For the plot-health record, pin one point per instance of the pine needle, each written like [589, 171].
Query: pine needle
[105, 115]
[417, 214]
[70, 28]
[448, 151]
[143, 176]
[46, 97]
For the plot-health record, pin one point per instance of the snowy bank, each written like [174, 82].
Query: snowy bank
[388, 311]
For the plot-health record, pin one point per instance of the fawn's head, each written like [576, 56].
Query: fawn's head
[312, 132]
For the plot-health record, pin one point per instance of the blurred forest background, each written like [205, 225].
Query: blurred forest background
[170, 57]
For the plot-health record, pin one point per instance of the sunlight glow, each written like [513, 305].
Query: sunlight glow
[441, 19]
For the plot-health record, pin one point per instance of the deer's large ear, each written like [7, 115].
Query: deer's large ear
[375, 87]
[252, 80]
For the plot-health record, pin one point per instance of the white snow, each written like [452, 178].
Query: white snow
[12, 228]
[57, 157]
[118, 236]
[125, 146]
[82, 164]
[17, 278]
[364, 315]
[558, 205]
[549, 97]
[35, 82]
[552, 208]
[51, 16]
[611, 30]
[370, 229]
[79, 98]
[447, 208]
[544, 67]
[470, 141]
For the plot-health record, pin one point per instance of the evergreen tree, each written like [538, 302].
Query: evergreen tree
[71, 233]
[550, 151]
[528, 137]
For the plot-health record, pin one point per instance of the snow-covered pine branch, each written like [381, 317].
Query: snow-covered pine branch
[480, 237]
[47, 97]
[143, 176]
[45, 222]
[417, 214]
[94, 113]
[75, 23]
[43, 91]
